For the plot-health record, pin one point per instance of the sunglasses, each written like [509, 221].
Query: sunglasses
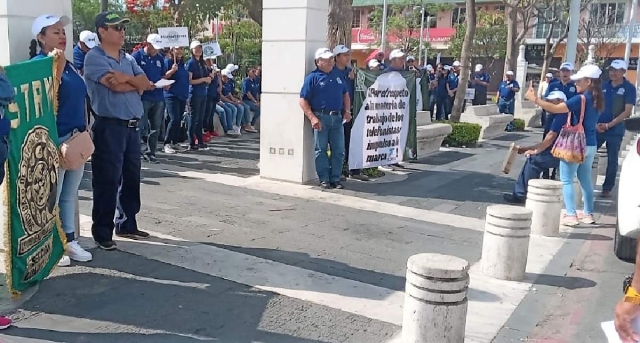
[118, 28]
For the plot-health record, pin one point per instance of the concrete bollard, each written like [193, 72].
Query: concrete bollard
[594, 171]
[505, 245]
[544, 199]
[577, 191]
[435, 301]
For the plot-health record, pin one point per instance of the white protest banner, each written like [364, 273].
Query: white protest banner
[381, 126]
[174, 36]
[470, 94]
[418, 94]
[211, 49]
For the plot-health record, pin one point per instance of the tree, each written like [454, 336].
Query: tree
[465, 60]
[556, 31]
[84, 14]
[490, 39]
[517, 12]
[339, 23]
[241, 36]
[595, 30]
[254, 9]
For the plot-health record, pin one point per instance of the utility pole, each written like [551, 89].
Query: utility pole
[572, 39]
[421, 34]
[383, 35]
[630, 30]
[104, 5]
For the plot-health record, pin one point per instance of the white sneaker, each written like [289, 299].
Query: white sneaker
[237, 128]
[168, 149]
[65, 261]
[177, 147]
[76, 253]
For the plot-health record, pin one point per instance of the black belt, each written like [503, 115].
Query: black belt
[329, 113]
[131, 123]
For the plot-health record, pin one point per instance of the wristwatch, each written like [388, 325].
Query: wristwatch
[630, 294]
[626, 283]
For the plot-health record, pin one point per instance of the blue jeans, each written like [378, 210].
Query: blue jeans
[240, 114]
[441, 107]
[613, 149]
[332, 134]
[222, 114]
[533, 167]
[255, 109]
[67, 196]
[209, 113]
[506, 106]
[568, 172]
[175, 108]
[151, 121]
[198, 107]
[232, 114]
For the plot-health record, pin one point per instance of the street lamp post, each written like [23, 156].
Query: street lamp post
[428, 39]
[104, 5]
[572, 38]
[421, 31]
[384, 26]
[632, 15]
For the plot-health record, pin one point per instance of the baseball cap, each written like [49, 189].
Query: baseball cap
[411, 58]
[373, 63]
[447, 67]
[47, 20]
[456, 64]
[89, 39]
[231, 67]
[155, 40]
[478, 67]
[109, 18]
[549, 75]
[395, 53]
[227, 73]
[194, 44]
[618, 64]
[429, 67]
[567, 65]
[323, 53]
[509, 72]
[590, 71]
[340, 49]
[557, 95]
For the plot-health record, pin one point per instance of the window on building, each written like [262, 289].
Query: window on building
[356, 19]
[499, 8]
[458, 16]
[611, 13]
[542, 29]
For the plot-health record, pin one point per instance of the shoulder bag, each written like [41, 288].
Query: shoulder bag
[571, 144]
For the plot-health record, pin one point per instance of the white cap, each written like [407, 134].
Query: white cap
[590, 71]
[227, 73]
[323, 53]
[46, 20]
[214, 67]
[456, 64]
[447, 67]
[618, 64]
[411, 58]
[340, 49]
[567, 65]
[557, 95]
[479, 67]
[231, 67]
[194, 44]
[549, 75]
[509, 72]
[396, 53]
[373, 63]
[89, 39]
[156, 41]
[429, 67]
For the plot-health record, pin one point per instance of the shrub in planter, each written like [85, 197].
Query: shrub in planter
[518, 125]
[462, 134]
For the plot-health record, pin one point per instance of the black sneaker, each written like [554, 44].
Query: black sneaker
[152, 159]
[133, 235]
[107, 245]
[144, 158]
[192, 148]
[510, 198]
[203, 147]
[325, 185]
[337, 185]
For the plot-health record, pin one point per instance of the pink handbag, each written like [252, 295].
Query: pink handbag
[76, 151]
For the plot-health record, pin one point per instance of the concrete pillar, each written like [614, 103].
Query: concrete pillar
[577, 191]
[291, 32]
[521, 73]
[435, 302]
[544, 199]
[591, 55]
[594, 171]
[505, 245]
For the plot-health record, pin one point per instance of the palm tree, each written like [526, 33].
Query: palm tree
[465, 60]
[339, 23]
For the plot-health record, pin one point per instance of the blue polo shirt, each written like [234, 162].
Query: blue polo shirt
[615, 100]
[590, 116]
[484, 77]
[453, 80]
[505, 89]
[228, 87]
[78, 57]
[155, 69]
[249, 86]
[258, 81]
[71, 100]
[198, 70]
[104, 101]
[441, 90]
[324, 91]
[568, 89]
[212, 89]
[180, 88]
[344, 75]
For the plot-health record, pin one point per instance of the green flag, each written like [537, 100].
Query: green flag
[32, 225]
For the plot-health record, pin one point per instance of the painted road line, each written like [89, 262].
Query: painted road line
[491, 301]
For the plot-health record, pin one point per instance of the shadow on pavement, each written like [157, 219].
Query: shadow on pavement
[567, 282]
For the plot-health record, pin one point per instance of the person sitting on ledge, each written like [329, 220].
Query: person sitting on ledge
[539, 157]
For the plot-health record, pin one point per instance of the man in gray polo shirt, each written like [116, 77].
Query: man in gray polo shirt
[115, 82]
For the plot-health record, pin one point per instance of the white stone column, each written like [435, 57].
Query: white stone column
[435, 301]
[594, 171]
[591, 55]
[577, 191]
[505, 245]
[291, 32]
[544, 199]
[521, 73]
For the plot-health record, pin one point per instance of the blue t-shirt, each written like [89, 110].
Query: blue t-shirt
[180, 88]
[453, 80]
[615, 100]
[78, 57]
[228, 87]
[568, 89]
[154, 68]
[432, 76]
[198, 71]
[258, 81]
[250, 86]
[505, 90]
[324, 91]
[481, 77]
[212, 89]
[590, 116]
[344, 74]
[441, 90]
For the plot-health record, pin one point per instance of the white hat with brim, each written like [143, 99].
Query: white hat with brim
[323, 53]
[618, 64]
[373, 63]
[194, 44]
[447, 67]
[509, 73]
[456, 64]
[429, 67]
[227, 73]
[410, 58]
[590, 71]
[89, 39]
[47, 20]
[567, 66]
[156, 41]
[557, 95]
[549, 75]
[396, 53]
[231, 67]
[340, 49]
[479, 67]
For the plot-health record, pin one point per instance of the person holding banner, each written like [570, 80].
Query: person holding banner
[70, 119]
[175, 97]
[115, 83]
[324, 98]
[199, 79]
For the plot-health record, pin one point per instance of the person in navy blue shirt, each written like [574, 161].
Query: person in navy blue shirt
[175, 97]
[380, 58]
[590, 100]
[324, 98]
[50, 34]
[152, 63]
[480, 83]
[230, 103]
[251, 98]
[211, 108]
[88, 41]
[397, 61]
[199, 79]
[506, 96]
[619, 99]
[258, 79]
[453, 82]
[539, 157]
[442, 93]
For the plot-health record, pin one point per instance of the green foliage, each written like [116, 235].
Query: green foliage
[490, 39]
[84, 14]
[373, 173]
[241, 39]
[518, 125]
[462, 134]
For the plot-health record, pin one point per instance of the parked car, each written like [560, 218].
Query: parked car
[628, 221]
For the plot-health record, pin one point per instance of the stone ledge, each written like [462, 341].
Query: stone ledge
[429, 138]
[487, 116]
[531, 116]
[423, 118]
